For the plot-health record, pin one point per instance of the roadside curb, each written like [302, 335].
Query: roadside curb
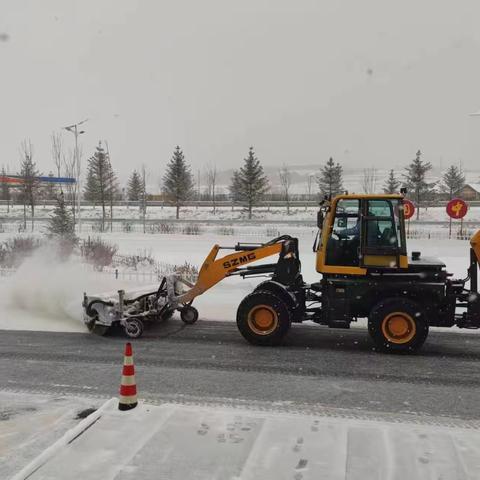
[67, 438]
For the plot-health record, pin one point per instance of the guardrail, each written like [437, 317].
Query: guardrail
[225, 203]
[212, 221]
[115, 273]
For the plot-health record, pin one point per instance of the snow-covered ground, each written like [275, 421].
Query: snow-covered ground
[30, 423]
[47, 295]
[180, 442]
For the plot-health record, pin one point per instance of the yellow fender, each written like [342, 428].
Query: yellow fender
[475, 243]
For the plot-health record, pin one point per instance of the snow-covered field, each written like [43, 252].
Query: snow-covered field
[46, 295]
[274, 213]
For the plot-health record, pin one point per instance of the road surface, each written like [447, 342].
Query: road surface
[317, 370]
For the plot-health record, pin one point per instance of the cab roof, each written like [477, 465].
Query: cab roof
[373, 196]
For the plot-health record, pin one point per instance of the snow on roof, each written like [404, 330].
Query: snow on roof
[475, 186]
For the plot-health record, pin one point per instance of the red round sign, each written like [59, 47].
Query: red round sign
[408, 209]
[457, 208]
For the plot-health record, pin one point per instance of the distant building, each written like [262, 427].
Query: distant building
[471, 191]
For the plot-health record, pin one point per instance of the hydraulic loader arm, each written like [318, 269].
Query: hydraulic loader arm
[216, 269]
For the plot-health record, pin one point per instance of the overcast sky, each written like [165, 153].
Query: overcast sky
[367, 82]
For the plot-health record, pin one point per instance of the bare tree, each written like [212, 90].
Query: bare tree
[144, 199]
[70, 170]
[211, 177]
[285, 183]
[369, 180]
[310, 182]
[57, 151]
[5, 193]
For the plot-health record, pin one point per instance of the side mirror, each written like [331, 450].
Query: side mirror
[320, 219]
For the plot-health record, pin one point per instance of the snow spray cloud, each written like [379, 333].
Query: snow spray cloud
[49, 288]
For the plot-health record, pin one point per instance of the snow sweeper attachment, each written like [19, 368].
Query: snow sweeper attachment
[134, 310]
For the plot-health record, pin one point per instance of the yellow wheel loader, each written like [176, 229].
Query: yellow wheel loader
[365, 272]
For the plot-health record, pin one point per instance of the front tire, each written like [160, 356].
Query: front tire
[263, 318]
[398, 325]
[189, 314]
[134, 328]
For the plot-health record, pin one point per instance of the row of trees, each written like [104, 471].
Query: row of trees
[248, 184]
[414, 180]
[30, 191]
[101, 186]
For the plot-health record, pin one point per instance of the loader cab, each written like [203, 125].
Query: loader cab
[361, 233]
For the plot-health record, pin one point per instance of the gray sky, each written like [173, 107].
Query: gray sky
[368, 82]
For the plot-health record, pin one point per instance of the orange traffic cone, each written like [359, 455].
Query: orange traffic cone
[128, 388]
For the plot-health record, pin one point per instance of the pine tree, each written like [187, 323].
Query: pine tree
[90, 192]
[5, 189]
[30, 183]
[330, 178]
[134, 187]
[415, 180]
[61, 220]
[392, 184]
[101, 181]
[178, 181]
[452, 181]
[249, 183]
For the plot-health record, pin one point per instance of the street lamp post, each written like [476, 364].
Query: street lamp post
[74, 129]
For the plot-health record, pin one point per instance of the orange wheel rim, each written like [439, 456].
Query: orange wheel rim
[262, 319]
[399, 327]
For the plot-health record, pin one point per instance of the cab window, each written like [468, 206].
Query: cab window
[344, 242]
[382, 224]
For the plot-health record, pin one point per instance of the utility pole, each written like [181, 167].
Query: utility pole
[74, 129]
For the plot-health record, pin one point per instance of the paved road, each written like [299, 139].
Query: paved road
[316, 369]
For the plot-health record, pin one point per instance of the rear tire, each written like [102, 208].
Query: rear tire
[263, 318]
[398, 325]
